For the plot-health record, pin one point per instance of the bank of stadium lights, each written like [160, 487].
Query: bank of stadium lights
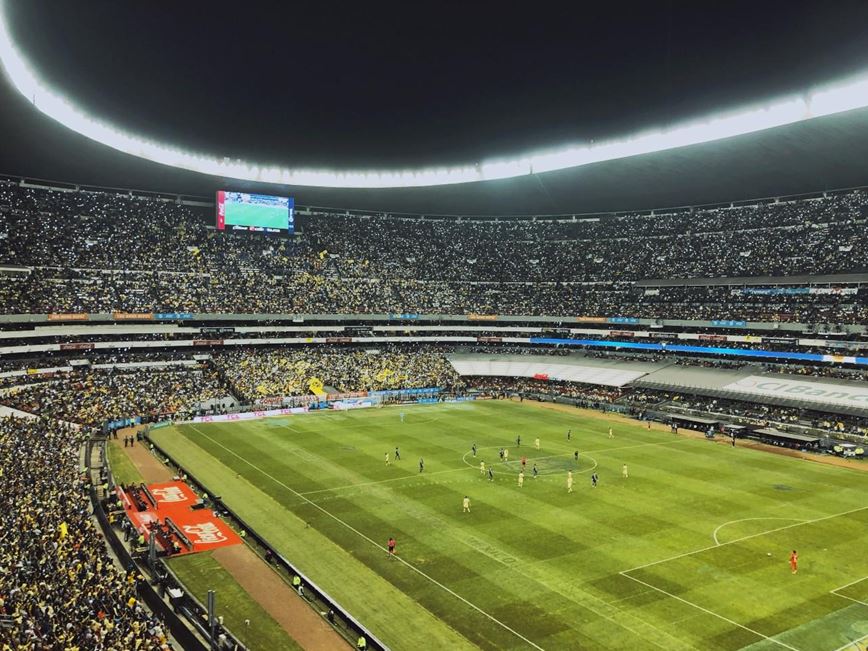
[834, 98]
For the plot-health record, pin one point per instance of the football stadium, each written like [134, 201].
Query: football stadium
[402, 328]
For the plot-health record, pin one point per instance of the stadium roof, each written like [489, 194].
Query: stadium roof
[527, 86]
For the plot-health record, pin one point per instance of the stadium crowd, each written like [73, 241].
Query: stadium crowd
[59, 588]
[76, 254]
[92, 397]
[256, 373]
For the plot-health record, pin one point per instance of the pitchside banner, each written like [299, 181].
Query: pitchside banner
[826, 394]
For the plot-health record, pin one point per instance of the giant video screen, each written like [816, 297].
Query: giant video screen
[242, 211]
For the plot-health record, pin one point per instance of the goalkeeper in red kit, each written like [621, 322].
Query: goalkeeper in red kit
[794, 561]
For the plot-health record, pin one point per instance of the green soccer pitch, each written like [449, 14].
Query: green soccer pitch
[689, 552]
[245, 214]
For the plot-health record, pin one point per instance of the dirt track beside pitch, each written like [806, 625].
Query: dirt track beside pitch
[262, 583]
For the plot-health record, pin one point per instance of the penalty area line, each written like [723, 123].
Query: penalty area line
[743, 538]
[373, 542]
[709, 612]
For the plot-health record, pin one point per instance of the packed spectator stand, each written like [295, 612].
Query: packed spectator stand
[82, 251]
[60, 588]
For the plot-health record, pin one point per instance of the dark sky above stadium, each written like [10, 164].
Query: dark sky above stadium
[361, 85]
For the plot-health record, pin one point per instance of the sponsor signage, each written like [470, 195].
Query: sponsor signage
[590, 319]
[216, 331]
[338, 340]
[248, 415]
[173, 316]
[541, 376]
[482, 317]
[712, 338]
[68, 316]
[728, 323]
[132, 316]
[404, 317]
[489, 340]
[207, 342]
[621, 333]
[622, 319]
[777, 340]
[77, 346]
[404, 392]
[823, 393]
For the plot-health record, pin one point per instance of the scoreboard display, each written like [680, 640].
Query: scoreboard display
[265, 213]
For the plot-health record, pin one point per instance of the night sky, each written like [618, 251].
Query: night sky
[362, 85]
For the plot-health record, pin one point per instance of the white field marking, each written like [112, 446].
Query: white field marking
[852, 645]
[838, 594]
[714, 535]
[753, 535]
[710, 612]
[847, 585]
[384, 481]
[374, 543]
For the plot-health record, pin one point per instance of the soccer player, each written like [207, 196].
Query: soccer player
[569, 434]
[536, 443]
[520, 478]
[397, 454]
[611, 433]
[535, 471]
[466, 504]
[402, 416]
[421, 464]
[523, 462]
[594, 480]
[490, 474]
[518, 441]
[387, 458]
[501, 454]
[506, 454]
[569, 481]
[473, 447]
[481, 467]
[391, 545]
[794, 562]
[624, 472]
[576, 456]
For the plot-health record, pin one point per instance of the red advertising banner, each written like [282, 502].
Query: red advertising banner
[207, 342]
[489, 340]
[541, 376]
[68, 317]
[621, 333]
[713, 338]
[221, 210]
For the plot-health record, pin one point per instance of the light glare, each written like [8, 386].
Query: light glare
[836, 98]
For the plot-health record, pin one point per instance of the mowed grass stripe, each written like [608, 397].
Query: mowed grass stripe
[383, 548]
[369, 596]
[570, 548]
